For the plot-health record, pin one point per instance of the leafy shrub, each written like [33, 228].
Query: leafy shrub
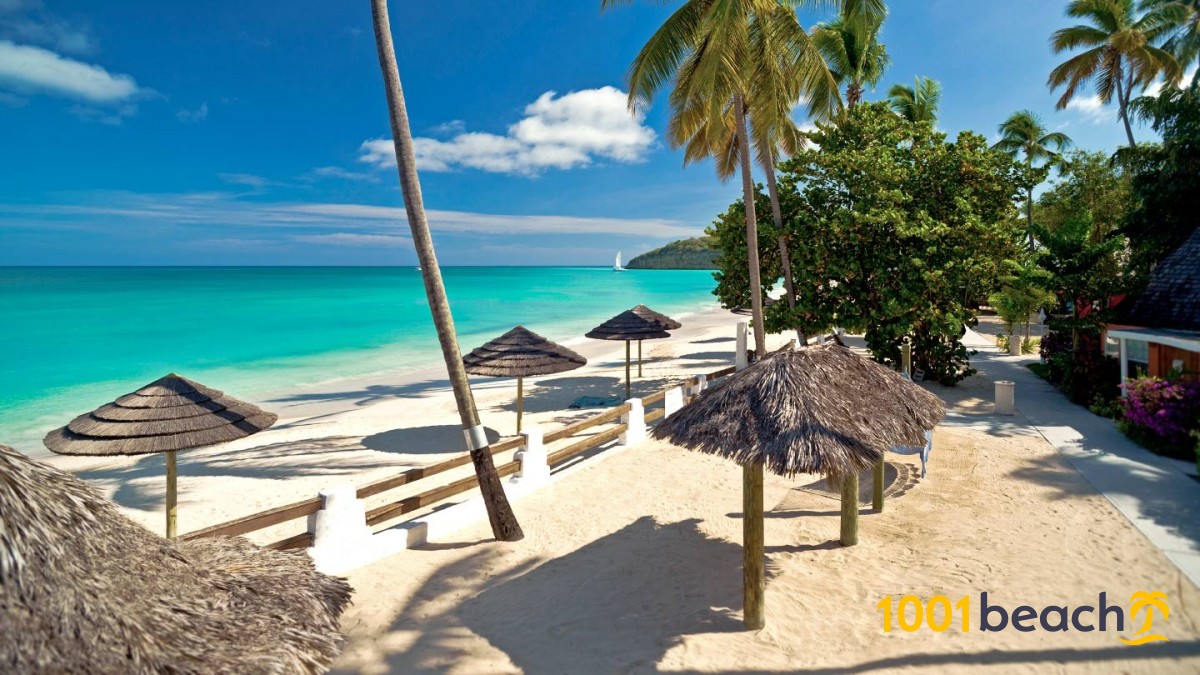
[1162, 415]
[1027, 346]
[1053, 343]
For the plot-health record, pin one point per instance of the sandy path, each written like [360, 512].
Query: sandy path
[633, 565]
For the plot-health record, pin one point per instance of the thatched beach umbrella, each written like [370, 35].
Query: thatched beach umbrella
[663, 320]
[820, 409]
[521, 353]
[83, 589]
[627, 326]
[170, 414]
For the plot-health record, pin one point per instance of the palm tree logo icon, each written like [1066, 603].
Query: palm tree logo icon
[1145, 603]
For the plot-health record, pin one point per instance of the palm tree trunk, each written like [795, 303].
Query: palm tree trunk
[1029, 217]
[853, 94]
[504, 523]
[1123, 103]
[756, 302]
[784, 256]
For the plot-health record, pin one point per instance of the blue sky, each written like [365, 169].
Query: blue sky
[249, 133]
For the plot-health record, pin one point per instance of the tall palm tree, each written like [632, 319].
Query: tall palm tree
[1184, 33]
[851, 47]
[1120, 52]
[504, 523]
[787, 68]
[918, 103]
[1024, 133]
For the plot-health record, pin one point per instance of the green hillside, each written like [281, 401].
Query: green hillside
[697, 253]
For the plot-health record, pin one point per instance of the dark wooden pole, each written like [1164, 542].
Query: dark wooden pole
[753, 557]
[850, 509]
[877, 485]
[500, 514]
[628, 389]
[172, 497]
[639, 359]
[520, 402]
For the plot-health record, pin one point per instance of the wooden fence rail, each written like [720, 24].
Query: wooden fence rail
[308, 507]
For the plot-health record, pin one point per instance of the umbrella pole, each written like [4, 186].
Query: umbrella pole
[753, 582]
[877, 496]
[850, 509]
[628, 391]
[172, 509]
[520, 403]
[639, 359]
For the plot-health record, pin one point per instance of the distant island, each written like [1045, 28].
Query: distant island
[697, 253]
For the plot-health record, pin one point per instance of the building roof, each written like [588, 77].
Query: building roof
[1172, 299]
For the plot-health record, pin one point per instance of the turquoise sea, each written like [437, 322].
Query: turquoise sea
[72, 338]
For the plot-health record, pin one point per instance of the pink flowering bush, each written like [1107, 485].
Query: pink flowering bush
[1162, 414]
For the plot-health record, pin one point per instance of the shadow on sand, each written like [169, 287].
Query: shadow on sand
[603, 594]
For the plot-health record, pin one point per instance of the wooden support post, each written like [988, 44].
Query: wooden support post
[639, 359]
[877, 494]
[753, 565]
[850, 509]
[172, 497]
[520, 401]
[628, 390]
[906, 359]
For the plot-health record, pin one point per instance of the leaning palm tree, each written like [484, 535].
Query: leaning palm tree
[1120, 52]
[918, 103]
[851, 47]
[787, 68]
[1024, 133]
[1184, 33]
[504, 523]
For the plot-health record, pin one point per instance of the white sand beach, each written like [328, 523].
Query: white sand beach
[365, 429]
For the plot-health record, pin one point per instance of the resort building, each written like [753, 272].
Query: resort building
[1160, 333]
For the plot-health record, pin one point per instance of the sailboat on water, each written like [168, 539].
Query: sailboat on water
[617, 267]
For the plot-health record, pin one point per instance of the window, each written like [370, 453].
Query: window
[1137, 356]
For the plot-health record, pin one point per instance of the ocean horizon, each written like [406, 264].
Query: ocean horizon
[78, 337]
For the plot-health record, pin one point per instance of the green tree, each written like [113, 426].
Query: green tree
[897, 232]
[1024, 133]
[1091, 185]
[1120, 52]
[1165, 180]
[504, 523]
[851, 47]
[918, 103]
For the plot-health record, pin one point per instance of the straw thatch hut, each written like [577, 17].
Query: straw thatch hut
[84, 589]
[170, 414]
[820, 409]
[663, 320]
[521, 353]
[628, 326]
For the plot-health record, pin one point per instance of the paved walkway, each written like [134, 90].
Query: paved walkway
[1159, 496]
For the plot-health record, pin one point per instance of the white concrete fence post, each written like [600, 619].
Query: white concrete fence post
[1006, 397]
[532, 457]
[739, 357]
[672, 401]
[635, 423]
[339, 529]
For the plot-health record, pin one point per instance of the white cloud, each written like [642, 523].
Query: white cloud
[1091, 108]
[557, 132]
[1156, 88]
[29, 69]
[198, 115]
[339, 172]
[221, 208]
[354, 239]
[111, 115]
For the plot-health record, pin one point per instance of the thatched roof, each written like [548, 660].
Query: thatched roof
[629, 325]
[820, 409]
[83, 589]
[521, 353]
[663, 320]
[1172, 299]
[172, 413]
